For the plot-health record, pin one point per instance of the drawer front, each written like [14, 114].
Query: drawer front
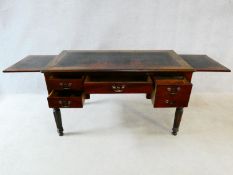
[66, 102]
[65, 84]
[173, 90]
[161, 101]
[171, 95]
[114, 83]
[117, 87]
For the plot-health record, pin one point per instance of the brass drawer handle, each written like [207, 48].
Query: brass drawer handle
[118, 88]
[65, 103]
[65, 85]
[173, 91]
[169, 102]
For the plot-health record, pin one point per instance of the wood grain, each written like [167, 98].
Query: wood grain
[118, 84]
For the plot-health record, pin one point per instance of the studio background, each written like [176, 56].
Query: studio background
[48, 27]
[123, 133]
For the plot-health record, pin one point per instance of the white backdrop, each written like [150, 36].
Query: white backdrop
[50, 26]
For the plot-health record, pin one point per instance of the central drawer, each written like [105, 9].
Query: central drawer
[118, 84]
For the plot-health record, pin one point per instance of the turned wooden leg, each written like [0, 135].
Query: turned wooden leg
[148, 96]
[176, 124]
[57, 116]
[87, 96]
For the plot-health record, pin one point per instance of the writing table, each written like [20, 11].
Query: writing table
[164, 76]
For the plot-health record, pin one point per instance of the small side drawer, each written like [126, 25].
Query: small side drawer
[163, 101]
[171, 93]
[66, 99]
[112, 85]
[65, 83]
[173, 90]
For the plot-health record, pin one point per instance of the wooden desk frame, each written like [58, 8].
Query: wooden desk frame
[163, 76]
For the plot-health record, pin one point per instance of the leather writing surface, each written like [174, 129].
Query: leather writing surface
[120, 59]
[204, 63]
[31, 63]
[91, 61]
[37, 63]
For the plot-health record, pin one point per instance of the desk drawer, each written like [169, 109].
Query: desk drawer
[163, 101]
[173, 90]
[112, 85]
[66, 99]
[65, 83]
[171, 93]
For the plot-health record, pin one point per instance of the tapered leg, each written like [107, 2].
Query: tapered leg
[57, 116]
[176, 124]
[148, 96]
[87, 96]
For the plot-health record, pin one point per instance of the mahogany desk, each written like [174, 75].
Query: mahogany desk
[164, 76]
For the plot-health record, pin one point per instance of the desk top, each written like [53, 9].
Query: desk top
[117, 61]
[102, 61]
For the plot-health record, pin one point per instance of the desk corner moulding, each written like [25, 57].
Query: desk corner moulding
[162, 75]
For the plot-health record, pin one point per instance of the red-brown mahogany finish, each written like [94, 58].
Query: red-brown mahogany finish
[164, 76]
